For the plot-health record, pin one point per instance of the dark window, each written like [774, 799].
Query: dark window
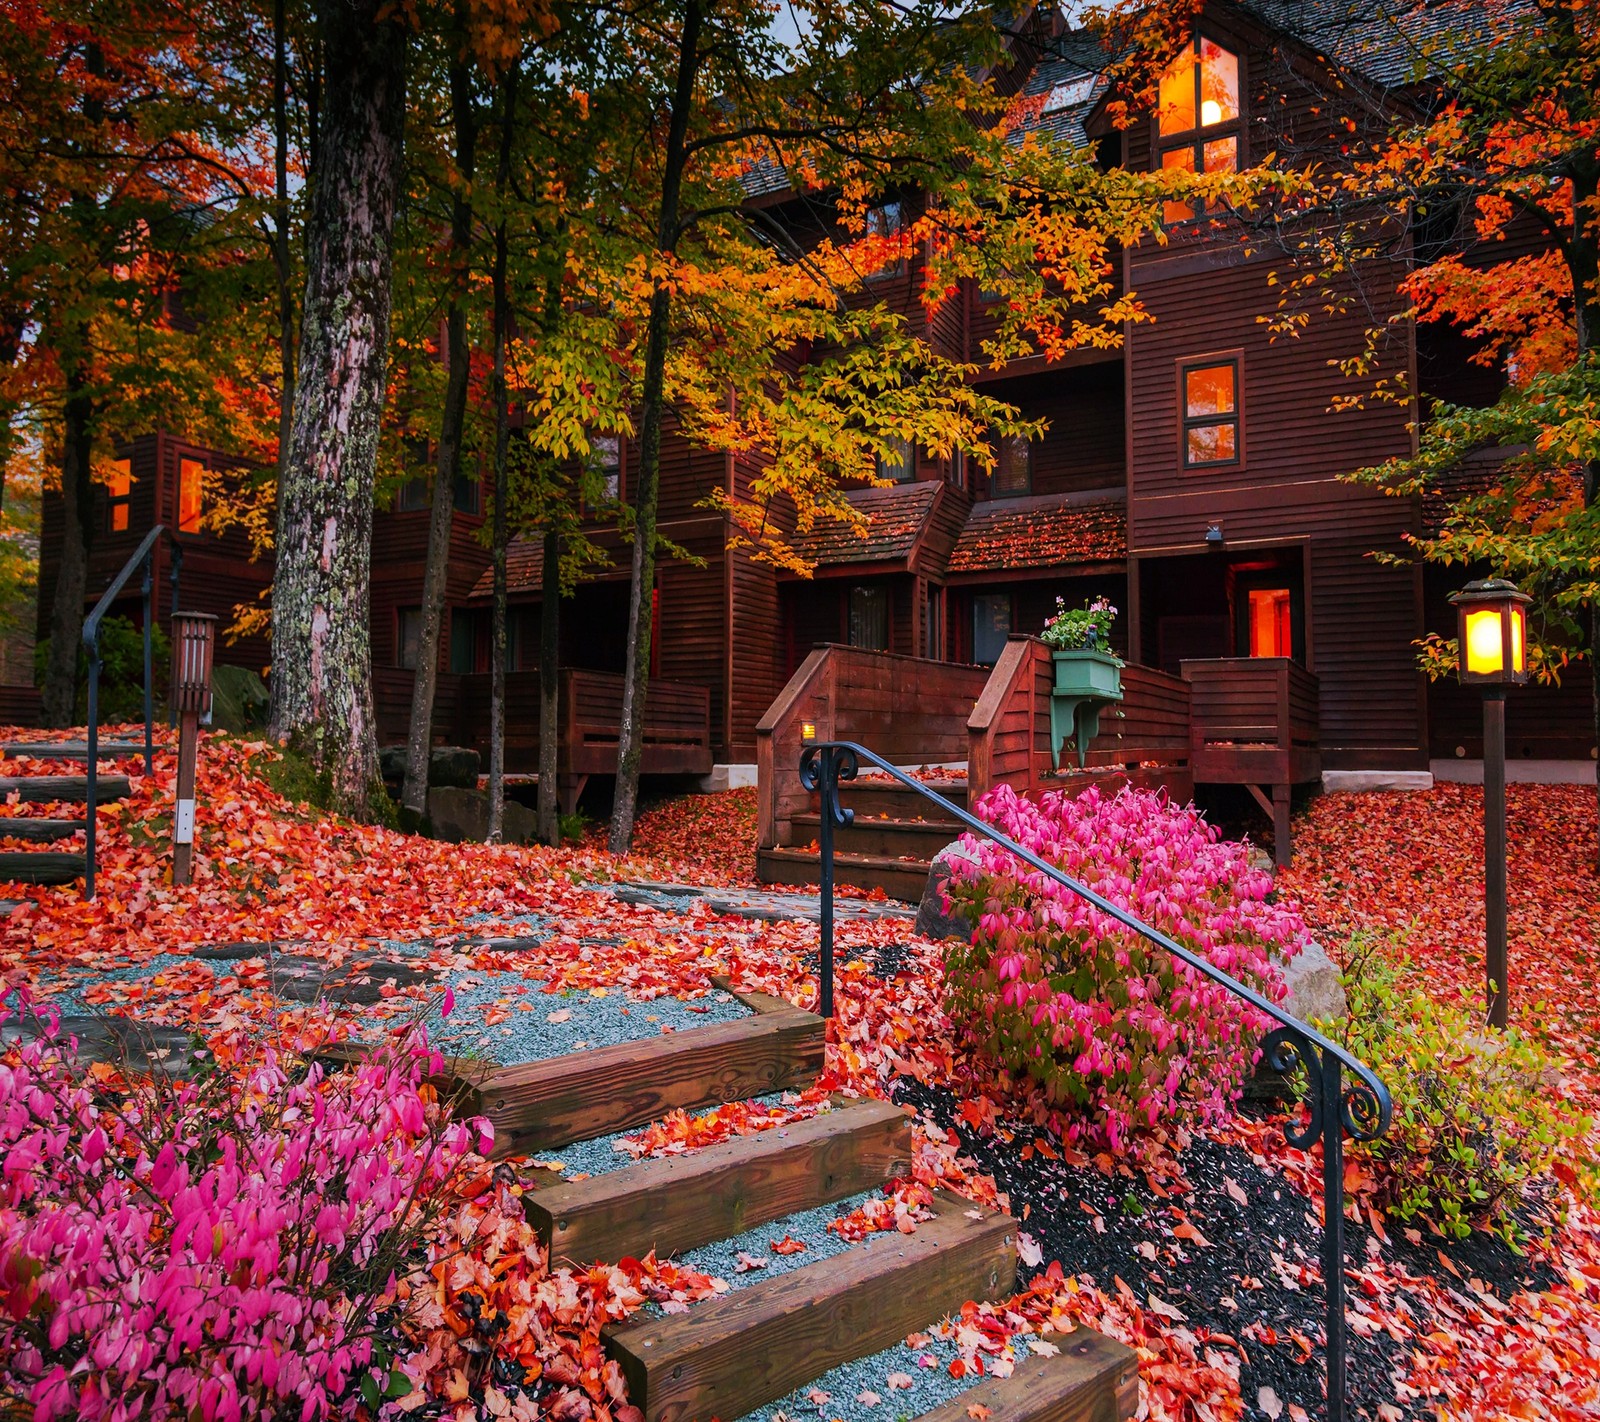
[119, 488]
[1208, 394]
[869, 618]
[606, 450]
[465, 658]
[1198, 122]
[407, 637]
[933, 614]
[1013, 468]
[896, 463]
[991, 625]
[417, 494]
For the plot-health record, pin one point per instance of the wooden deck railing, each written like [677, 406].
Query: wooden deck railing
[1253, 721]
[677, 725]
[1145, 739]
[910, 709]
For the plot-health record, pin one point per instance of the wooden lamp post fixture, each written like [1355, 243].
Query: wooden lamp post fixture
[1492, 628]
[193, 636]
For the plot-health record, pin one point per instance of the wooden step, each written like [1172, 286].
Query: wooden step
[546, 1104]
[40, 866]
[884, 839]
[1092, 1379]
[884, 797]
[743, 1349]
[902, 879]
[70, 750]
[44, 788]
[44, 831]
[680, 1202]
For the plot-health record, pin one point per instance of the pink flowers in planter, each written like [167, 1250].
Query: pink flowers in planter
[223, 1248]
[1114, 1029]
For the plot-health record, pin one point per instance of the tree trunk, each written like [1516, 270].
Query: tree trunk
[630, 739]
[549, 813]
[321, 645]
[59, 696]
[500, 526]
[282, 259]
[1583, 262]
[447, 468]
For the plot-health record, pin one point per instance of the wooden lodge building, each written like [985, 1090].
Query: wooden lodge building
[1193, 476]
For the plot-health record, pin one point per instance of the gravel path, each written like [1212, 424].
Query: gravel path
[862, 1391]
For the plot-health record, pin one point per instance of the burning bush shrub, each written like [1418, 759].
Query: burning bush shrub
[1112, 1027]
[224, 1247]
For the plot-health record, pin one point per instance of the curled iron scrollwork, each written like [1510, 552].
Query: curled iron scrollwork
[842, 764]
[1364, 1106]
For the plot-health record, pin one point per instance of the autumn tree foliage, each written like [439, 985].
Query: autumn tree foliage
[122, 164]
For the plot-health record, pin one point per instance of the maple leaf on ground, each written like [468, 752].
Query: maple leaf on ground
[787, 1245]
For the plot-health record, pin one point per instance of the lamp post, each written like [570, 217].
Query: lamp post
[1492, 636]
[193, 634]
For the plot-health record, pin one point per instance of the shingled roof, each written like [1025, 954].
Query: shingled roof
[524, 570]
[895, 518]
[1009, 534]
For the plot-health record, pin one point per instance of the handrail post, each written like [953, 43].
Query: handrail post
[93, 749]
[149, 709]
[825, 958]
[172, 579]
[1333, 1227]
[821, 769]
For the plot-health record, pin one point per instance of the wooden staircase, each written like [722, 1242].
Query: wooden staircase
[749, 1347]
[49, 864]
[890, 846]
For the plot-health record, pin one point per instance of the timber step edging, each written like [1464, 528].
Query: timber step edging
[730, 1354]
[903, 879]
[679, 1202]
[42, 831]
[882, 837]
[71, 750]
[542, 1105]
[1093, 1379]
[41, 789]
[37, 866]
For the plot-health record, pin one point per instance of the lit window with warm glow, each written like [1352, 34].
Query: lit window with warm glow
[1198, 118]
[191, 478]
[1210, 400]
[1268, 614]
[119, 488]
[1486, 646]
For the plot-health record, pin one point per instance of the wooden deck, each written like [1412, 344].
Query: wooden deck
[677, 726]
[1238, 721]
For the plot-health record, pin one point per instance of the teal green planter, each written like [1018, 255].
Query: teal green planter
[1086, 681]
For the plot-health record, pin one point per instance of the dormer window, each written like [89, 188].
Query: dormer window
[1197, 124]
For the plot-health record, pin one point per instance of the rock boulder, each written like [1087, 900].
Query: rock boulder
[933, 921]
[454, 767]
[459, 816]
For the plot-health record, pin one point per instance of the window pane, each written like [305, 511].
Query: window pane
[415, 494]
[1270, 630]
[895, 462]
[869, 619]
[1212, 444]
[119, 517]
[1178, 158]
[463, 641]
[991, 625]
[1209, 390]
[190, 474]
[121, 479]
[884, 221]
[1012, 471]
[408, 636]
[1222, 155]
[466, 493]
[1176, 114]
[1219, 84]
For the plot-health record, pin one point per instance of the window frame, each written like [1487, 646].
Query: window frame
[400, 615]
[1195, 139]
[198, 531]
[879, 592]
[903, 265]
[981, 597]
[907, 466]
[122, 502]
[1209, 360]
[1280, 579]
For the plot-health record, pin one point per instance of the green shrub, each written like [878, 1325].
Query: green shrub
[121, 671]
[1479, 1137]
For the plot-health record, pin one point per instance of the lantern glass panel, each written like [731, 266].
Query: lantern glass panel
[1519, 641]
[1485, 650]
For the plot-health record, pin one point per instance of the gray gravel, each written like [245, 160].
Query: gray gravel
[931, 1387]
[70, 1000]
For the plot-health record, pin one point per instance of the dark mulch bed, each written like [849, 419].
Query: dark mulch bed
[1260, 1266]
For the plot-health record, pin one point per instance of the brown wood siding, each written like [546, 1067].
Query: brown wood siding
[693, 623]
[758, 663]
[1083, 444]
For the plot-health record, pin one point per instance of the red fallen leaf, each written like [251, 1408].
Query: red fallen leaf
[788, 1245]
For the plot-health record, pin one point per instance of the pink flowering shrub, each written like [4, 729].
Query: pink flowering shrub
[222, 1248]
[1114, 1029]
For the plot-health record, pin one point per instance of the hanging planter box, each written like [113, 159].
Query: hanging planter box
[1086, 680]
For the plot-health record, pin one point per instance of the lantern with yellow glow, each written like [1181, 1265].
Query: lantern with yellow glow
[1492, 626]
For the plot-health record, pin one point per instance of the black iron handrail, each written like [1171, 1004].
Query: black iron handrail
[1361, 1107]
[143, 557]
